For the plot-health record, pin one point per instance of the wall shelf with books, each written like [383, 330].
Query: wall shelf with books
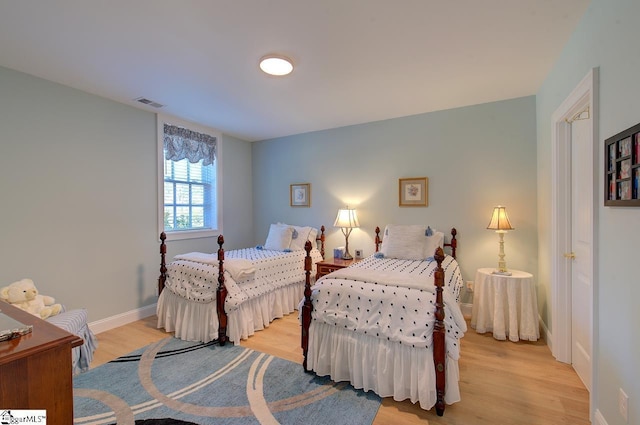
[622, 169]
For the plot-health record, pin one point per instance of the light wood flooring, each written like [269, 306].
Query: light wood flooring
[501, 382]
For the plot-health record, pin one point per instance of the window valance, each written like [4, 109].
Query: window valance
[180, 143]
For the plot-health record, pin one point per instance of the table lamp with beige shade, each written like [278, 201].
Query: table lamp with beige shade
[500, 223]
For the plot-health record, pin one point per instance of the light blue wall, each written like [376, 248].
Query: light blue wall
[78, 196]
[475, 158]
[607, 38]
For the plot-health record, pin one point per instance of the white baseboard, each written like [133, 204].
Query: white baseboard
[122, 319]
[545, 333]
[598, 418]
[466, 310]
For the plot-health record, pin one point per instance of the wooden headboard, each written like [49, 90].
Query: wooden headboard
[453, 243]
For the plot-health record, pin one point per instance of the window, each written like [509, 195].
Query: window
[187, 195]
[189, 180]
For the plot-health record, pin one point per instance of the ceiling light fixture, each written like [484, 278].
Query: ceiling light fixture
[276, 65]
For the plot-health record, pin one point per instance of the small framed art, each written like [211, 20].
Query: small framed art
[413, 192]
[300, 194]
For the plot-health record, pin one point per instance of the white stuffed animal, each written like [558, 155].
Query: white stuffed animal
[24, 295]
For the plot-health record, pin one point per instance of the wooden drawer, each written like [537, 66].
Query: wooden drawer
[326, 267]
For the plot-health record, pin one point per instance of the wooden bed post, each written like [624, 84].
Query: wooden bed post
[321, 238]
[454, 242]
[221, 295]
[307, 307]
[163, 264]
[378, 240]
[439, 348]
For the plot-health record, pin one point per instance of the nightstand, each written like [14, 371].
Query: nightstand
[505, 305]
[331, 265]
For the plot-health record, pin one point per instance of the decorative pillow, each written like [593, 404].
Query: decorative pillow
[433, 242]
[405, 242]
[300, 236]
[279, 238]
[313, 235]
[410, 242]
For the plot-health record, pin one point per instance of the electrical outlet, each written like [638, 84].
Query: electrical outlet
[359, 254]
[623, 405]
[470, 285]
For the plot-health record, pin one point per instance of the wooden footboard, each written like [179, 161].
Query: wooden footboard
[221, 291]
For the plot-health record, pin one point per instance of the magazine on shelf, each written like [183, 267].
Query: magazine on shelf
[612, 156]
[612, 188]
[625, 169]
[625, 190]
[625, 147]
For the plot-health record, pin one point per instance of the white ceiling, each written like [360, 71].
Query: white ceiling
[356, 61]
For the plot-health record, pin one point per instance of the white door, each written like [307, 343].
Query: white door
[582, 246]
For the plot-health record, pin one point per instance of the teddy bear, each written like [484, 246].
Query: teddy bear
[24, 295]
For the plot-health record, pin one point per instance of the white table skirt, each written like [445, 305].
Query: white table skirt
[505, 305]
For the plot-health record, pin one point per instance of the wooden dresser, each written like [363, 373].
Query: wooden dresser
[35, 369]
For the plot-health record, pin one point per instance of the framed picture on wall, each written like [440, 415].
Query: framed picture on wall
[622, 169]
[300, 194]
[413, 192]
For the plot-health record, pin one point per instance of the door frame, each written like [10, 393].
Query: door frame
[584, 95]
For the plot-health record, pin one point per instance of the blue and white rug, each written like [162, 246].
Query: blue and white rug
[174, 382]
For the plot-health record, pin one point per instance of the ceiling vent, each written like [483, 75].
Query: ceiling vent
[149, 102]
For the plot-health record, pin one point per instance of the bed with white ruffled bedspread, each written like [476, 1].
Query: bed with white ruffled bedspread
[372, 324]
[261, 284]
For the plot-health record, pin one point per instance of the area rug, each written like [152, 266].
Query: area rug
[174, 382]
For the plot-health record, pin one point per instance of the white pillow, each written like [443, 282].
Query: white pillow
[410, 242]
[433, 242]
[301, 235]
[279, 238]
[313, 235]
[405, 242]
